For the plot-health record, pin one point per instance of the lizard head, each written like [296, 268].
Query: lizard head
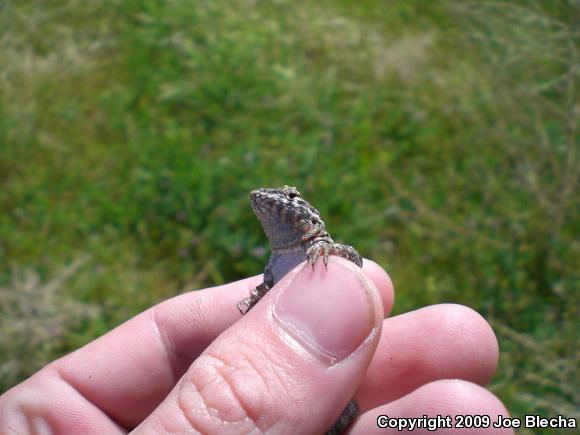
[287, 219]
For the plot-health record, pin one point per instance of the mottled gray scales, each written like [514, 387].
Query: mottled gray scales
[296, 233]
[345, 419]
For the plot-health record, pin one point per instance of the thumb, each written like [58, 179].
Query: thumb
[290, 366]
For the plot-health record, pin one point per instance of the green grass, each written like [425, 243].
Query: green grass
[440, 138]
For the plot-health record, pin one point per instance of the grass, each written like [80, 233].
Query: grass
[131, 132]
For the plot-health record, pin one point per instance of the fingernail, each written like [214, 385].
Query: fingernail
[330, 312]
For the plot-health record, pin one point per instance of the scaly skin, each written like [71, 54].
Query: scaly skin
[296, 233]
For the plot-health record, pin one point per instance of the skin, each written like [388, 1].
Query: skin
[193, 364]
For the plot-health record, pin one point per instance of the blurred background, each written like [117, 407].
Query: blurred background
[440, 138]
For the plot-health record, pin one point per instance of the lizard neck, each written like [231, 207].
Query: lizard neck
[292, 240]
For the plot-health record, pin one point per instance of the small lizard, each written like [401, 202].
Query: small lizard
[296, 233]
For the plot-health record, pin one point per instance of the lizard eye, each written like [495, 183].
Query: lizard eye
[292, 195]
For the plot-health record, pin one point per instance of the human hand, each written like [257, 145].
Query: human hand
[289, 366]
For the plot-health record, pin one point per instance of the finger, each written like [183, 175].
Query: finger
[382, 282]
[289, 366]
[121, 377]
[45, 404]
[140, 361]
[444, 341]
[457, 399]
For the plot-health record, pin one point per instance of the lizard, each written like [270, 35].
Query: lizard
[296, 234]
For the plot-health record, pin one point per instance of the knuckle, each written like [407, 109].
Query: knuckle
[233, 394]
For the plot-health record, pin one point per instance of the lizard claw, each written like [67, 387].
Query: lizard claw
[325, 250]
[316, 251]
[313, 254]
[256, 294]
[244, 306]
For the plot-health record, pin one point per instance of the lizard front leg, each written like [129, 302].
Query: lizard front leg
[325, 249]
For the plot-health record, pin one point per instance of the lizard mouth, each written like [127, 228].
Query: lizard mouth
[257, 200]
[254, 193]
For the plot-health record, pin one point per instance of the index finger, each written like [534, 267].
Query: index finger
[129, 370]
